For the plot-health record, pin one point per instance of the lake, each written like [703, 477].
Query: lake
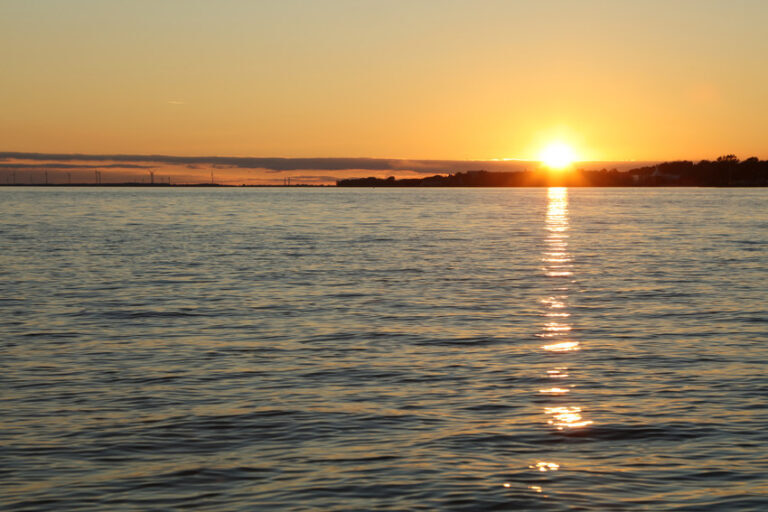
[377, 349]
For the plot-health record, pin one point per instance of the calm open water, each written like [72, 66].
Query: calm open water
[373, 349]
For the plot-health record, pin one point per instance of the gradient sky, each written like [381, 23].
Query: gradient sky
[620, 80]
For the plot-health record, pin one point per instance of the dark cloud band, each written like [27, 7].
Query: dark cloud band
[280, 164]
[277, 165]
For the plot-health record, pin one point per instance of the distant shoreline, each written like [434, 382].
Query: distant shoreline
[724, 172]
[128, 171]
[193, 185]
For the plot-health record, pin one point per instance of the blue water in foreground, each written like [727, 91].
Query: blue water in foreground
[369, 349]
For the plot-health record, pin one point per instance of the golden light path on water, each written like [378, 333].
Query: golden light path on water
[556, 330]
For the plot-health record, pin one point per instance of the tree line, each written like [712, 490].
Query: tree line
[725, 171]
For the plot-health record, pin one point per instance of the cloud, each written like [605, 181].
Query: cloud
[277, 164]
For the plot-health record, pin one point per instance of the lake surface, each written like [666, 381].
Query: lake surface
[373, 349]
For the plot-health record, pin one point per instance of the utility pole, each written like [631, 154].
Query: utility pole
[212, 182]
[69, 178]
[151, 177]
[46, 176]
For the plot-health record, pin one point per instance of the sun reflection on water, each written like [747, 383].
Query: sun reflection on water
[554, 326]
[566, 417]
[546, 466]
[555, 302]
[558, 373]
[558, 263]
[554, 391]
[566, 346]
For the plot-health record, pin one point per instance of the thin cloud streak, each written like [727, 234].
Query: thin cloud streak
[71, 166]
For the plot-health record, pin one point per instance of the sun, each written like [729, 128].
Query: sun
[557, 156]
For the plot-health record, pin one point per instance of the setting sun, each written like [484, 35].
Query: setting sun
[557, 155]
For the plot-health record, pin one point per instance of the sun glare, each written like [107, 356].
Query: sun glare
[557, 156]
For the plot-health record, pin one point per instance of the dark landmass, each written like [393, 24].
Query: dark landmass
[726, 171]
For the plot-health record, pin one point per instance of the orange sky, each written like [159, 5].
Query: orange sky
[652, 80]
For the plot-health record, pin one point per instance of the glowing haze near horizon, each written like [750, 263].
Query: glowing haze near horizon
[478, 80]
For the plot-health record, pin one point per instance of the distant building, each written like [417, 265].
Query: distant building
[658, 176]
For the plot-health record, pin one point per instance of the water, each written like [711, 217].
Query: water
[360, 349]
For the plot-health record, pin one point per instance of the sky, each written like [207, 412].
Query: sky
[415, 80]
